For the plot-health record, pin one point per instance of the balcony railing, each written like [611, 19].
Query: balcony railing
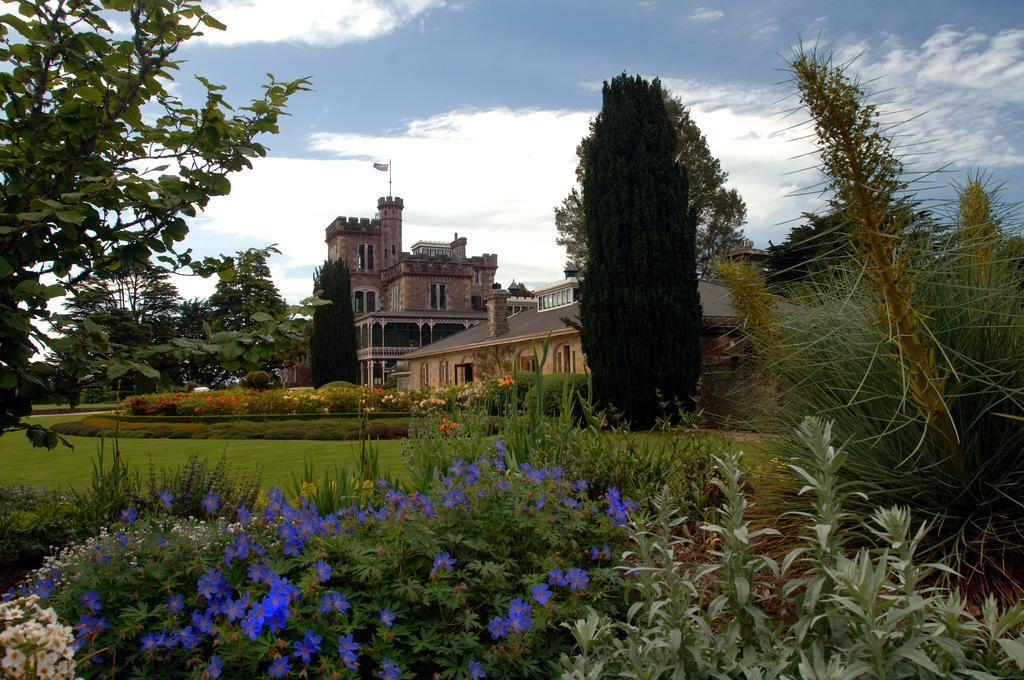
[384, 352]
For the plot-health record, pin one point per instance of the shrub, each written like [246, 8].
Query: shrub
[481, 571]
[336, 384]
[912, 345]
[198, 489]
[869, 613]
[257, 380]
[33, 522]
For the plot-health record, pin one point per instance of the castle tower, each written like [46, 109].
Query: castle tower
[390, 210]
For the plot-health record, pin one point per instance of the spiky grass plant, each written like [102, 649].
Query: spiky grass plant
[913, 346]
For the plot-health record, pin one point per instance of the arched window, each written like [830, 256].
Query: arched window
[371, 301]
[442, 373]
[357, 307]
[425, 375]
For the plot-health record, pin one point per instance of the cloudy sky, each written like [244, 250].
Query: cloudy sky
[479, 105]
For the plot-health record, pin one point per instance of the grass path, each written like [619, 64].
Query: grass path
[278, 459]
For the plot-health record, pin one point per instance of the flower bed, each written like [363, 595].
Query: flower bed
[238, 402]
[471, 580]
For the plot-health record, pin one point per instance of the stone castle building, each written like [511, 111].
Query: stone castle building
[406, 300]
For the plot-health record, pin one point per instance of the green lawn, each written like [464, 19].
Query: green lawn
[81, 408]
[279, 459]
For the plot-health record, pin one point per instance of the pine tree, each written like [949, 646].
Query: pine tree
[250, 291]
[640, 309]
[332, 344]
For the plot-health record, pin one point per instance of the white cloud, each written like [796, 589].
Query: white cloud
[493, 176]
[706, 14]
[312, 22]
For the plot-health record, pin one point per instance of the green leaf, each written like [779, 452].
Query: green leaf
[1014, 649]
[72, 216]
[261, 317]
[33, 216]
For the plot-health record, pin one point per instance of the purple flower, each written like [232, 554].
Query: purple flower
[175, 603]
[577, 578]
[211, 502]
[161, 542]
[234, 609]
[309, 645]
[442, 562]
[498, 628]
[129, 515]
[389, 670]
[279, 668]
[122, 539]
[579, 485]
[519, 615]
[91, 601]
[333, 601]
[347, 648]
[188, 638]
[150, 641]
[476, 670]
[387, 617]
[243, 515]
[556, 577]
[215, 667]
[541, 593]
[323, 570]
[166, 498]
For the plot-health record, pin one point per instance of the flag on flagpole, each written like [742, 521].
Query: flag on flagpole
[383, 167]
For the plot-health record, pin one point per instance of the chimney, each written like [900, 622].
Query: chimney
[497, 312]
[459, 248]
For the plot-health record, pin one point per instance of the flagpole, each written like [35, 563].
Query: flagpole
[389, 177]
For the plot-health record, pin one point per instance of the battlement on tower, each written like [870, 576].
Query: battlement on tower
[390, 202]
[353, 225]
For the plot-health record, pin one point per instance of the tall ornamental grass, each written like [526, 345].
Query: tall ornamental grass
[913, 346]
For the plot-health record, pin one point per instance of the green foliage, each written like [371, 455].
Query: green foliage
[86, 183]
[635, 196]
[867, 613]
[446, 564]
[257, 380]
[912, 345]
[719, 212]
[190, 483]
[808, 248]
[337, 383]
[323, 429]
[242, 301]
[33, 522]
[332, 344]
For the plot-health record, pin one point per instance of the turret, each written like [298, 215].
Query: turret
[389, 209]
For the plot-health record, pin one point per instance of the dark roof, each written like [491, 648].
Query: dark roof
[714, 298]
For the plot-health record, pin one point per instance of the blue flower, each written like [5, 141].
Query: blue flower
[150, 641]
[333, 601]
[442, 562]
[519, 615]
[309, 645]
[541, 593]
[499, 446]
[556, 577]
[175, 603]
[323, 570]
[122, 539]
[166, 498]
[279, 668]
[215, 667]
[211, 502]
[243, 515]
[498, 628]
[577, 578]
[389, 670]
[188, 638]
[347, 648]
[579, 485]
[129, 515]
[234, 609]
[387, 617]
[91, 601]
[161, 542]
[476, 670]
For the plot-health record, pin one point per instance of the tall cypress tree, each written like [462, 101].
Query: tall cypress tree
[332, 344]
[640, 309]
